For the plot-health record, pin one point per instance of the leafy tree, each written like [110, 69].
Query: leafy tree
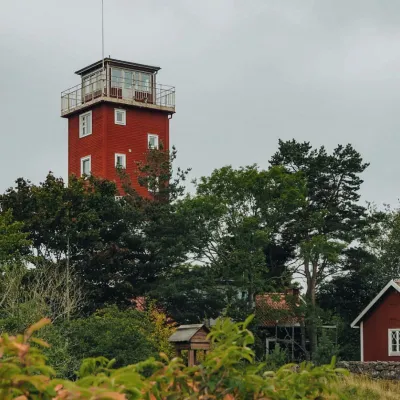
[80, 223]
[331, 218]
[367, 269]
[236, 218]
[190, 294]
[112, 333]
[13, 240]
[162, 231]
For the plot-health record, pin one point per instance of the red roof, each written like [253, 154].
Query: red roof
[141, 304]
[274, 309]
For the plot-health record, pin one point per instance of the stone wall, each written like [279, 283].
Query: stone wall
[376, 370]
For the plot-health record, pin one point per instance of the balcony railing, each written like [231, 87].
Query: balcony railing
[126, 91]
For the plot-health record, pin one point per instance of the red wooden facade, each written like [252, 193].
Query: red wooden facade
[377, 323]
[107, 138]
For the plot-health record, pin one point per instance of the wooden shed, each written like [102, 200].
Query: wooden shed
[191, 338]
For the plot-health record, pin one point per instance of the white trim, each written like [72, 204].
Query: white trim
[362, 341]
[151, 135]
[123, 112]
[123, 160]
[390, 352]
[392, 284]
[89, 131]
[83, 159]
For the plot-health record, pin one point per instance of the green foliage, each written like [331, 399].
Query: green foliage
[191, 294]
[228, 372]
[326, 348]
[276, 359]
[244, 232]
[236, 218]
[13, 240]
[114, 334]
[330, 219]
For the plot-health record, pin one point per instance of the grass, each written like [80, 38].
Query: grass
[364, 388]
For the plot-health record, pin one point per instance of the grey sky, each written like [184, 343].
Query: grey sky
[246, 74]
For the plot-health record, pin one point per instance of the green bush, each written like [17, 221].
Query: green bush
[114, 334]
[326, 348]
[276, 359]
[25, 375]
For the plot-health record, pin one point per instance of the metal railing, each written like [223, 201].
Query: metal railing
[117, 88]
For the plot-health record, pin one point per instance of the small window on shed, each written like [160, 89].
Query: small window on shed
[394, 342]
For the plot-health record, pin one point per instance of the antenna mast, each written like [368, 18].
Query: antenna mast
[102, 31]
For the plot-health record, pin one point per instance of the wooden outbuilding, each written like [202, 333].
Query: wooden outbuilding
[379, 325]
[191, 338]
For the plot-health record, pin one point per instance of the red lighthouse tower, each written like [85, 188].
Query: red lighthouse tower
[115, 114]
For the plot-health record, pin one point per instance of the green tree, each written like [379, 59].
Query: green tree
[112, 333]
[236, 215]
[190, 294]
[367, 269]
[13, 240]
[330, 219]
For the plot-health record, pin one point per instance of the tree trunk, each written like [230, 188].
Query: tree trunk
[311, 298]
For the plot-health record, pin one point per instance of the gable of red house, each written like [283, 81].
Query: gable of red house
[379, 325]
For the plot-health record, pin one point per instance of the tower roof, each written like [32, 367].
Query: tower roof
[118, 63]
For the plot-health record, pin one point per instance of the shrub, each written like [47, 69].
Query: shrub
[276, 359]
[25, 375]
[123, 335]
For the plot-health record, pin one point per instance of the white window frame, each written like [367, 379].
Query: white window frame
[83, 159]
[391, 352]
[81, 119]
[123, 158]
[120, 110]
[151, 135]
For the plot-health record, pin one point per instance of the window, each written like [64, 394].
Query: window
[120, 116]
[128, 79]
[394, 342]
[85, 124]
[146, 82]
[116, 78]
[152, 141]
[142, 81]
[86, 165]
[92, 82]
[120, 160]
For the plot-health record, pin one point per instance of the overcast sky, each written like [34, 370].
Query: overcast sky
[246, 74]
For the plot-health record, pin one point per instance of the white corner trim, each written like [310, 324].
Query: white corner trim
[362, 341]
[390, 284]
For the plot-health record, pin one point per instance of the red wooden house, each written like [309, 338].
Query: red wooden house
[379, 325]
